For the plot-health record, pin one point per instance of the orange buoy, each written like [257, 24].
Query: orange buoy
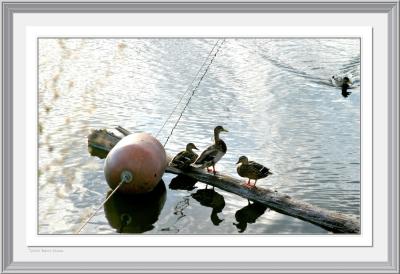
[142, 157]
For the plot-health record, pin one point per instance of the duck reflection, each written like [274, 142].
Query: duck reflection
[210, 198]
[345, 93]
[248, 215]
[182, 182]
[135, 213]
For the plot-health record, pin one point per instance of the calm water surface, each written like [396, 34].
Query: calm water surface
[273, 95]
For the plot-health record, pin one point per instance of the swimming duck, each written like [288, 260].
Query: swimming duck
[213, 153]
[185, 158]
[251, 170]
[344, 82]
[338, 81]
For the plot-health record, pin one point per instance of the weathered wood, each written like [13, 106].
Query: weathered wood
[330, 220]
[124, 131]
[102, 140]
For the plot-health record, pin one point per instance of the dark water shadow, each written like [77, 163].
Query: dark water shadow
[179, 209]
[248, 215]
[135, 213]
[345, 93]
[182, 182]
[100, 153]
[210, 198]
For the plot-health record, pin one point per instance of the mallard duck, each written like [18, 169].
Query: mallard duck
[345, 83]
[338, 81]
[213, 153]
[185, 158]
[251, 170]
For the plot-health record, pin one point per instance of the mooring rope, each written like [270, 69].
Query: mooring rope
[191, 84]
[126, 177]
[195, 88]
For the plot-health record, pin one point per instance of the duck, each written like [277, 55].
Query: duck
[185, 158]
[211, 155]
[338, 81]
[345, 83]
[251, 170]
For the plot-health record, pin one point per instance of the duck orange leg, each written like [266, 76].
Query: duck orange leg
[247, 184]
[255, 182]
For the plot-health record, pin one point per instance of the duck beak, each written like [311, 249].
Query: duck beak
[225, 130]
[238, 162]
[194, 147]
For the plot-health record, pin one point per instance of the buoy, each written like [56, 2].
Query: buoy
[140, 155]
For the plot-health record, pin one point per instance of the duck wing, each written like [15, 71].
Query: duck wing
[183, 159]
[259, 170]
[207, 155]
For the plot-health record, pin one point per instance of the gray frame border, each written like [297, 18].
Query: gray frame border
[391, 8]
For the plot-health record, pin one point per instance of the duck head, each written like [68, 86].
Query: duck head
[191, 146]
[243, 160]
[346, 80]
[219, 129]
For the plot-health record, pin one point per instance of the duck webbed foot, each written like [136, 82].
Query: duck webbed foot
[247, 184]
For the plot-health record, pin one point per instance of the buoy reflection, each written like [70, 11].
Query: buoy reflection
[135, 213]
[210, 198]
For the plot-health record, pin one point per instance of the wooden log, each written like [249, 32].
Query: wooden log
[330, 220]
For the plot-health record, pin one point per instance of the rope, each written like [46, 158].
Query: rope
[191, 84]
[126, 177]
[195, 88]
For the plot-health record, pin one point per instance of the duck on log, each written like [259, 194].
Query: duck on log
[100, 142]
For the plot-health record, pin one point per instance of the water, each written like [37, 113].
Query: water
[273, 95]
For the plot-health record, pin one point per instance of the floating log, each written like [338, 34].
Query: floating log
[330, 220]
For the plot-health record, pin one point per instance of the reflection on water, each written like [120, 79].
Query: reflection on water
[135, 213]
[274, 95]
[210, 198]
[179, 214]
[345, 93]
[182, 182]
[248, 215]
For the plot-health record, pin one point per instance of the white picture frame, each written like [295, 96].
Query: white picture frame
[19, 258]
